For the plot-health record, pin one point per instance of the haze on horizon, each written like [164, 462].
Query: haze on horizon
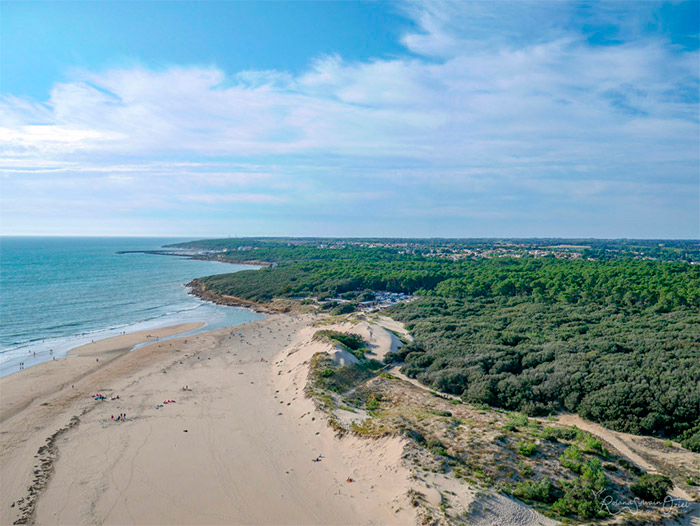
[414, 119]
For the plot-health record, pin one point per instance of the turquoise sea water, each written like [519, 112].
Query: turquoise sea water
[58, 293]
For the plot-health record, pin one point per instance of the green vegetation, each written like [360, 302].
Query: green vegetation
[572, 459]
[631, 369]
[539, 491]
[350, 340]
[582, 496]
[527, 448]
[652, 487]
[353, 343]
[615, 339]
[561, 480]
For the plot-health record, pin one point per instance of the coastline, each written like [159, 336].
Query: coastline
[21, 388]
[59, 293]
[236, 446]
[198, 289]
[127, 342]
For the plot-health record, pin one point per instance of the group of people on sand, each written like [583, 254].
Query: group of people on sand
[120, 418]
[100, 396]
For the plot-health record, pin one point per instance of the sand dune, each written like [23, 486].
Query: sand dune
[235, 448]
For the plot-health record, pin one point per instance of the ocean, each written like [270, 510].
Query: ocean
[57, 293]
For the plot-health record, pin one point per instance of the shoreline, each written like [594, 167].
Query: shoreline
[51, 376]
[236, 447]
[127, 342]
[200, 257]
[198, 289]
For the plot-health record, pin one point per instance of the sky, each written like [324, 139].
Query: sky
[414, 119]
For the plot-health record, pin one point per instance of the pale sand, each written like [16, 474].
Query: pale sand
[128, 341]
[21, 389]
[246, 457]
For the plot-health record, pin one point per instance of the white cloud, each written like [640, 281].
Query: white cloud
[492, 97]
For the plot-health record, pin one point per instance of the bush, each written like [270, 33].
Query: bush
[582, 496]
[691, 439]
[652, 487]
[590, 444]
[525, 470]
[437, 447]
[531, 490]
[402, 352]
[438, 412]
[628, 465]
[572, 458]
[372, 403]
[527, 448]
[555, 433]
[348, 339]
[516, 421]
[344, 308]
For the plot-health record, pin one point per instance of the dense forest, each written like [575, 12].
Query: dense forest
[635, 371]
[615, 339]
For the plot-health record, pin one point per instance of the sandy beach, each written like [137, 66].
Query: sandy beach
[235, 447]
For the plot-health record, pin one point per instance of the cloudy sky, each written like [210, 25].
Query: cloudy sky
[426, 118]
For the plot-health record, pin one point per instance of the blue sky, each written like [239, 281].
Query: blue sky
[459, 119]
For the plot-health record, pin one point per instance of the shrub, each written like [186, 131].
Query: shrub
[439, 412]
[350, 340]
[691, 439]
[628, 465]
[525, 470]
[516, 421]
[555, 433]
[415, 435]
[344, 308]
[402, 352]
[582, 495]
[437, 447]
[527, 448]
[535, 490]
[572, 458]
[590, 444]
[372, 403]
[652, 487]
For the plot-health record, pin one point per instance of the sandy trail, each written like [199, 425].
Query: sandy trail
[630, 447]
